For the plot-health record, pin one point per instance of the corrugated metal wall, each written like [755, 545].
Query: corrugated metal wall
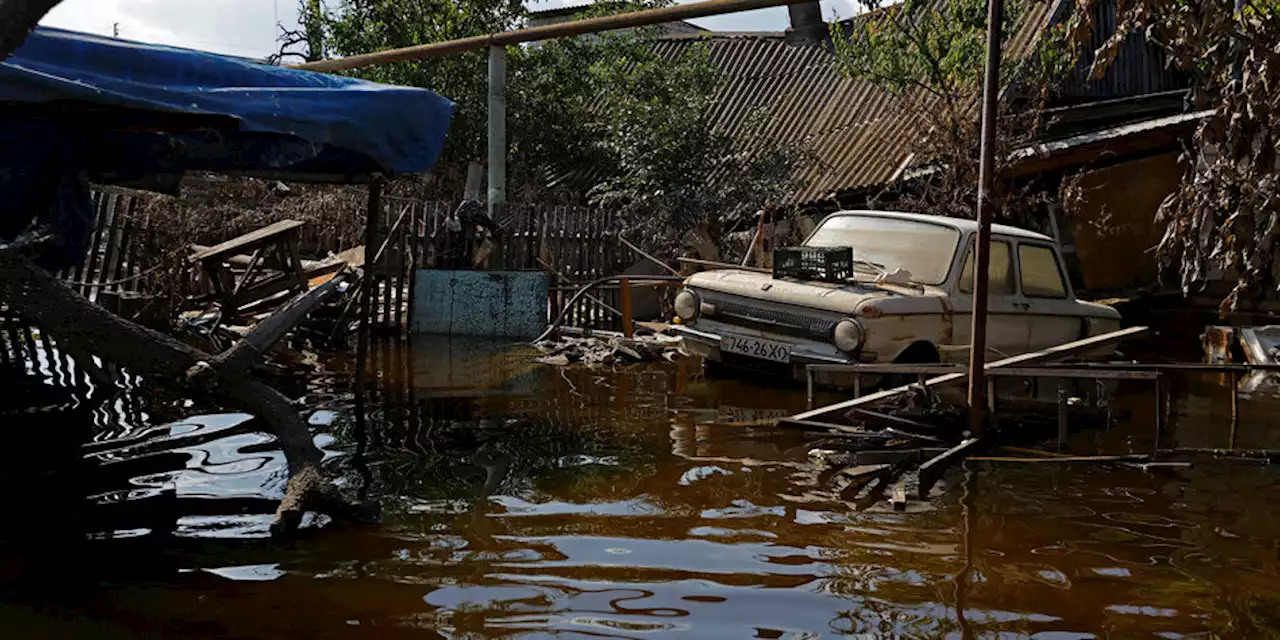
[1139, 67]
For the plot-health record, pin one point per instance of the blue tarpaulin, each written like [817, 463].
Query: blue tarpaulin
[343, 124]
[76, 108]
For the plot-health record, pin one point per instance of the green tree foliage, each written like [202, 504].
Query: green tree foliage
[621, 123]
[1226, 213]
[930, 54]
[352, 27]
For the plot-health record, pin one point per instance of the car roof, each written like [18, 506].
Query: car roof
[961, 224]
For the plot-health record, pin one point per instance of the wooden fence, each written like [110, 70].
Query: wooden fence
[117, 255]
[575, 244]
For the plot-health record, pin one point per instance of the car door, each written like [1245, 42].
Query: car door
[1008, 329]
[1055, 315]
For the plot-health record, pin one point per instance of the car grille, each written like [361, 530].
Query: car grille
[772, 320]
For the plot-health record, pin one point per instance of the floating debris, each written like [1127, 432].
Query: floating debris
[606, 349]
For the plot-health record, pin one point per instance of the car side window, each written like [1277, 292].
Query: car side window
[1000, 271]
[1041, 275]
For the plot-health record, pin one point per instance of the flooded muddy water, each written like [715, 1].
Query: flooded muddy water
[522, 500]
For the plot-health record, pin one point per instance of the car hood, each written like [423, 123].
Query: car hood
[839, 298]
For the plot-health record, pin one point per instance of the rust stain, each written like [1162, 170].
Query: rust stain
[1217, 343]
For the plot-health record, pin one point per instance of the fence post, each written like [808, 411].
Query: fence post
[624, 300]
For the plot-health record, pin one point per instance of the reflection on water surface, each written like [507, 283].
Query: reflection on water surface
[525, 500]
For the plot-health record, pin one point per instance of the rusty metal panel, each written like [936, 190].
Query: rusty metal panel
[506, 304]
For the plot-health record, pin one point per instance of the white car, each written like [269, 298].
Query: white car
[909, 299]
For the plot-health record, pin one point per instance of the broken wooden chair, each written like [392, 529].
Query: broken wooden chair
[275, 266]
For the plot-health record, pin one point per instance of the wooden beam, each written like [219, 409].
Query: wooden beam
[931, 470]
[241, 356]
[1137, 457]
[246, 242]
[1052, 353]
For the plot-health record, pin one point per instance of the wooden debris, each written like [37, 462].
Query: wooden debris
[275, 248]
[607, 349]
[907, 485]
[1155, 466]
[33, 293]
[891, 419]
[1064, 459]
[930, 471]
[870, 492]
[910, 435]
[1035, 452]
[1053, 353]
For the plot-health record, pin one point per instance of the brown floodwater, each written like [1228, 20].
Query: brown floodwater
[522, 500]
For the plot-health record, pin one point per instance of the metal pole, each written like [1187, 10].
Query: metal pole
[497, 130]
[982, 253]
[547, 32]
[366, 283]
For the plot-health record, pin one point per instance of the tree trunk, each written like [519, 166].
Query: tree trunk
[17, 19]
[34, 294]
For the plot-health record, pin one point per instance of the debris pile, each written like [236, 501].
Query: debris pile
[606, 349]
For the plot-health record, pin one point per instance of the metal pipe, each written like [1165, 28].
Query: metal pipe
[546, 32]
[497, 131]
[982, 245]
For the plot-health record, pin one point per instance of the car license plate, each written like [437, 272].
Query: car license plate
[727, 414]
[757, 348]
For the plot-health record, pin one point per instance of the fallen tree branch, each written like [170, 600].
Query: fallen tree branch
[35, 295]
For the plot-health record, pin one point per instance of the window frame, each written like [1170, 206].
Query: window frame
[1067, 293]
[955, 249]
[970, 248]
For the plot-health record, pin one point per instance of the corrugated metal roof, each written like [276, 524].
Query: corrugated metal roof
[861, 134]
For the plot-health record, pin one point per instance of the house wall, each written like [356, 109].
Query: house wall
[1115, 228]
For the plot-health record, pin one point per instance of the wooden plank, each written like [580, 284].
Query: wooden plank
[265, 334]
[98, 259]
[81, 272]
[402, 268]
[932, 469]
[1074, 373]
[248, 241]
[115, 245]
[907, 485]
[1138, 457]
[884, 417]
[885, 456]
[1060, 351]
[870, 492]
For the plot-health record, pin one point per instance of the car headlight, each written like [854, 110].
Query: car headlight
[848, 335]
[688, 305]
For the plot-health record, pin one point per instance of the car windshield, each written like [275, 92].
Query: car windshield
[922, 248]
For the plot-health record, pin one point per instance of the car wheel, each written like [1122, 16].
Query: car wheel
[920, 353]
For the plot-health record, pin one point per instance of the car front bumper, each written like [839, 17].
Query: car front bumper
[706, 344]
